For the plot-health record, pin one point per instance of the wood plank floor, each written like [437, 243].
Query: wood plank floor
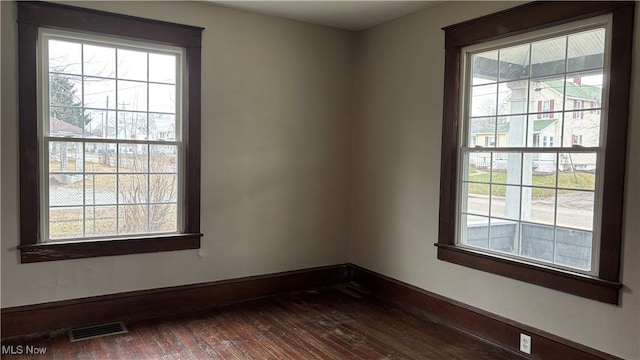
[332, 323]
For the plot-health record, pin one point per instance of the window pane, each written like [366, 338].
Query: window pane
[480, 126]
[133, 158]
[573, 248]
[101, 124]
[575, 209]
[475, 230]
[100, 189]
[544, 130]
[507, 168]
[100, 157]
[99, 93]
[485, 67]
[582, 127]
[538, 205]
[503, 235]
[132, 95]
[479, 166]
[71, 126]
[162, 127]
[512, 131]
[163, 188]
[133, 189]
[546, 95]
[512, 97]
[132, 65]
[163, 218]
[483, 100]
[537, 242]
[586, 50]
[132, 125]
[64, 57]
[162, 68]
[65, 222]
[577, 171]
[539, 169]
[477, 198]
[99, 61]
[100, 220]
[514, 63]
[162, 98]
[505, 201]
[548, 57]
[65, 190]
[584, 90]
[66, 91]
[66, 157]
[482, 132]
[132, 219]
[163, 158]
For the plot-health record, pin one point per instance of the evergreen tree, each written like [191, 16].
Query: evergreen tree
[66, 102]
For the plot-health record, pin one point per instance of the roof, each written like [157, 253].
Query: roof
[582, 44]
[59, 126]
[588, 92]
[538, 125]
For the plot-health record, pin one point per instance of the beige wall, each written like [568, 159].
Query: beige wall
[276, 110]
[396, 150]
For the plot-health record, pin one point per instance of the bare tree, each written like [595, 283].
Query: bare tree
[158, 189]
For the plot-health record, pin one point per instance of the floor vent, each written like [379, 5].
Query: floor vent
[97, 331]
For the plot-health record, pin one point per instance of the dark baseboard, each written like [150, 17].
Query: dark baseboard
[136, 305]
[29, 319]
[491, 327]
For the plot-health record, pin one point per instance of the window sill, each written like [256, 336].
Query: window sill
[572, 283]
[110, 247]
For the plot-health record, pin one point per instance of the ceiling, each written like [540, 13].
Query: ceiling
[343, 14]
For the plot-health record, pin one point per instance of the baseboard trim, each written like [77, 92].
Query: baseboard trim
[488, 326]
[144, 304]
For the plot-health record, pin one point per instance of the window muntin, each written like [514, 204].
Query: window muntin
[111, 131]
[533, 194]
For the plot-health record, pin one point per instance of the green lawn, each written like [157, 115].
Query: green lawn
[572, 180]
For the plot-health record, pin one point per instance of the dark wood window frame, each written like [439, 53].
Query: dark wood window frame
[35, 15]
[533, 16]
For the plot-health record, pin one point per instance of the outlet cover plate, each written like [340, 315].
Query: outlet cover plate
[525, 343]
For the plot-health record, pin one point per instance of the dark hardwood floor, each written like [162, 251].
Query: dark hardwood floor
[331, 323]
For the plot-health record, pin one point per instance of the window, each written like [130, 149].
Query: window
[544, 109]
[576, 140]
[529, 207]
[108, 168]
[577, 106]
[543, 215]
[490, 141]
[115, 135]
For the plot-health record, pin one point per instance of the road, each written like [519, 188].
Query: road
[576, 212]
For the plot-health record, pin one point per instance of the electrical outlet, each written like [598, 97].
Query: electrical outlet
[525, 343]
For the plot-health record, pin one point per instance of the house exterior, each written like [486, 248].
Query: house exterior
[545, 133]
[579, 127]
